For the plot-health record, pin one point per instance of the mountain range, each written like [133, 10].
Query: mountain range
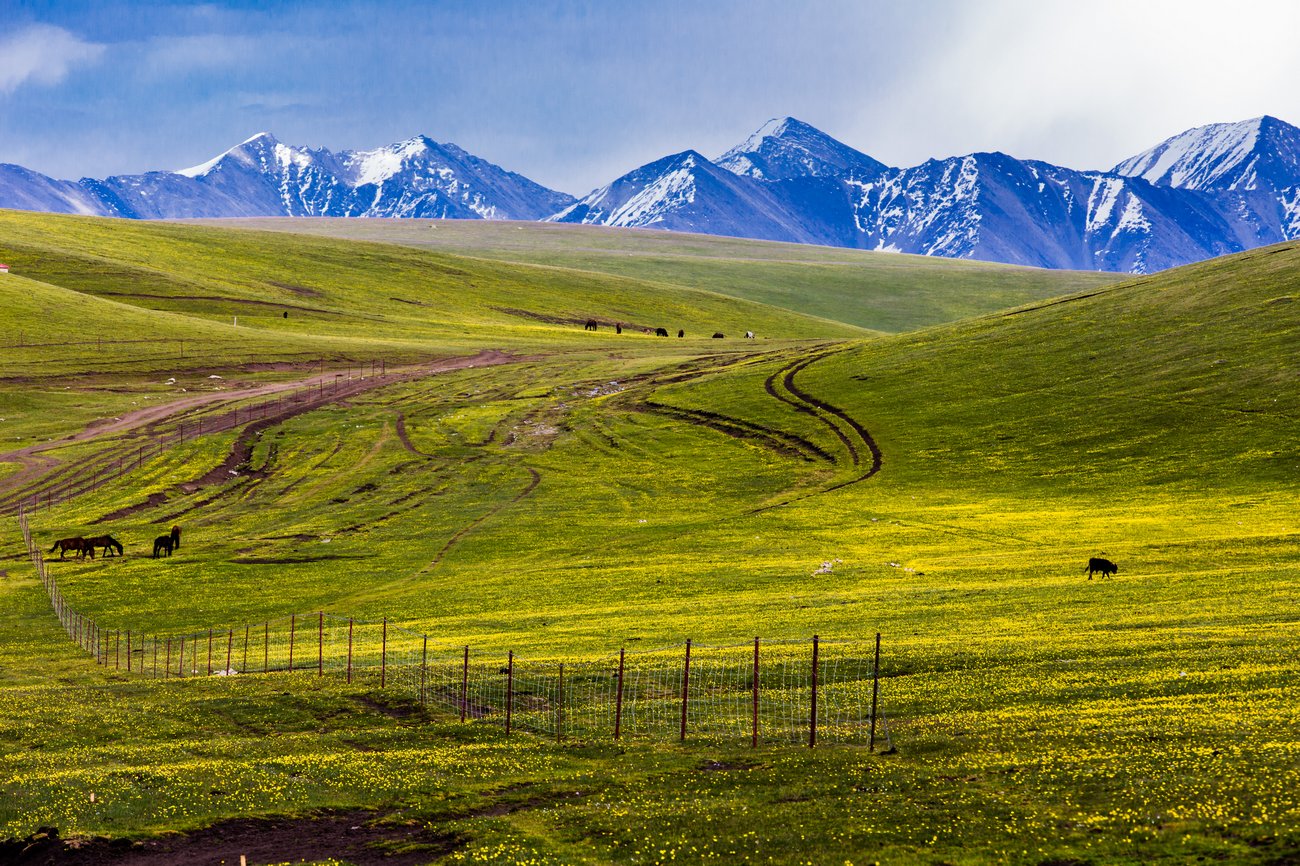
[1206, 192]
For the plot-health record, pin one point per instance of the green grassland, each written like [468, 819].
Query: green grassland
[592, 494]
[876, 290]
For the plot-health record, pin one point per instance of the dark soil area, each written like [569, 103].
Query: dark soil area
[358, 837]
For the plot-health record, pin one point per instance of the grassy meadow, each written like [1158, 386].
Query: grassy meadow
[599, 491]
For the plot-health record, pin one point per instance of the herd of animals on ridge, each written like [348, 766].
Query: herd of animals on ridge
[593, 325]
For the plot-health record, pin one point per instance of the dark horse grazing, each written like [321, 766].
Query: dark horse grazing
[176, 538]
[63, 545]
[661, 332]
[590, 326]
[163, 543]
[718, 335]
[1105, 566]
[107, 542]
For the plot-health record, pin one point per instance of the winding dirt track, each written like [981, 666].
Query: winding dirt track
[39, 466]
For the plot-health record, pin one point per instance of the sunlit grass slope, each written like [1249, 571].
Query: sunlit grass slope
[575, 502]
[293, 285]
[878, 290]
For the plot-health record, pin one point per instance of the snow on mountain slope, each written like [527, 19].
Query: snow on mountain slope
[785, 148]
[23, 189]
[1260, 153]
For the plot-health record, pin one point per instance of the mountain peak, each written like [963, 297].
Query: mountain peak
[785, 148]
[1246, 155]
[262, 139]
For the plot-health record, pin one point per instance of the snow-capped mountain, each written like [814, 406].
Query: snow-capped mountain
[264, 177]
[1213, 190]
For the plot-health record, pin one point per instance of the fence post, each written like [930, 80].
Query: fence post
[686, 685]
[180, 663]
[510, 688]
[754, 739]
[464, 685]
[424, 667]
[320, 644]
[155, 656]
[266, 645]
[812, 718]
[128, 651]
[383, 657]
[209, 652]
[244, 664]
[618, 701]
[349, 650]
[293, 624]
[230, 645]
[559, 708]
[875, 691]
[167, 671]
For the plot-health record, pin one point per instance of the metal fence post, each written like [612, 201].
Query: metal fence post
[464, 685]
[559, 707]
[812, 718]
[753, 744]
[510, 688]
[209, 652]
[686, 685]
[383, 657]
[424, 667]
[875, 691]
[349, 650]
[618, 704]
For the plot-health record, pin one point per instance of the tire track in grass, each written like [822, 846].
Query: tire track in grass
[536, 478]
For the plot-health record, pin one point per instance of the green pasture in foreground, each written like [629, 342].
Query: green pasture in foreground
[877, 290]
[1040, 717]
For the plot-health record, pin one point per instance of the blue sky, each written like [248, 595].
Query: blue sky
[573, 94]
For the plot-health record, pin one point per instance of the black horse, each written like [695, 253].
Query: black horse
[681, 332]
[718, 335]
[107, 542]
[1105, 566]
[164, 544]
[63, 545]
[590, 326]
[661, 332]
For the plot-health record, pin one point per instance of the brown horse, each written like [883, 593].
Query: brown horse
[176, 538]
[63, 545]
[107, 542]
[162, 543]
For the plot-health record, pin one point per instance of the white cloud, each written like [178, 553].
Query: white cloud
[42, 54]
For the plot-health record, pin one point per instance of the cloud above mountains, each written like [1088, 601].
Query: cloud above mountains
[42, 54]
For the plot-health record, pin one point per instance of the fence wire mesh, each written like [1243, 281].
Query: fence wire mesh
[791, 691]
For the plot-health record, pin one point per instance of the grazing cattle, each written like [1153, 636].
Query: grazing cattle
[107, 542]
[618, 327]
[1105, 566]
[590, 326]
[176, 538]
[749, 335]
[718, 335]
[162, 543]
[681, 332]
[63, 545]
[661, 332]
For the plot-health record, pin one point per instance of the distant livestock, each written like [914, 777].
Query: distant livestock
[618, 327]
[78, 544]
[590, 326]
[162, 544]
[681, 332]
[107, 542]
[1104, 566]
[749, 335]
[718, 335]
[661, 332]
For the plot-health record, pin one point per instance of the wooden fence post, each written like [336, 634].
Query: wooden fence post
[753, 744]
[167, 671]
[244, 664]
[209, 652]
[618, 701]
[559, 708]
[812, 718]
[320, 644]
[510, 688]
[464, 685]
[686, 685]
[349, 650]
[155, 656]
[266, 645]
[424, 667]
[230, 645]
[875, 691]
[128, 651]
[383, 657]
[180, 665]
[293, 625]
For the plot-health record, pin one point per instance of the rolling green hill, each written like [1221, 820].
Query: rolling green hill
[579, 498]
[877, 290]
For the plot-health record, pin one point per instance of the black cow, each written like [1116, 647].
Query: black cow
[1105, 566]
[718, 335]
[661, 332]
[590, 326]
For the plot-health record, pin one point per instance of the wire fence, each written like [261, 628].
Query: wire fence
[86, 476]
[791, 691]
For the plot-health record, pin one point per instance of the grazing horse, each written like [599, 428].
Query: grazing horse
[63, 545]
[163, 543]
[1105, 566]
[661, 332]
[681, 332]
[749, 335]
[107, 542]
[618, 327]
[590, 326]
[718, 335]
[176, 538]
